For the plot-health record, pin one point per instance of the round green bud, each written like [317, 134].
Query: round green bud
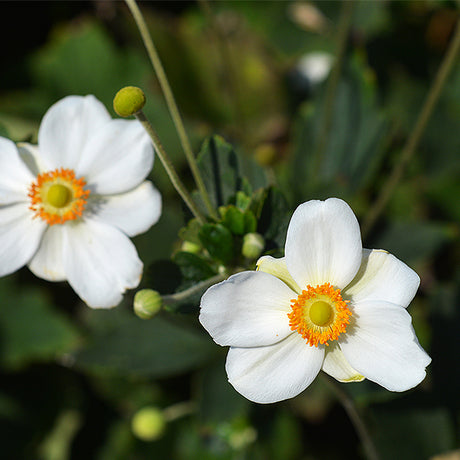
[253, 245]
[147, 303]
[188, 246]
[128, 101]
[148, 424]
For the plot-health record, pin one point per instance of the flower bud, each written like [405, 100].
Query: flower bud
[148, 423]
[189, 246]
[253, 245]
[128, 101]
[147, 303]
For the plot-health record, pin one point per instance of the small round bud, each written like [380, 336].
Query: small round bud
[148, 423]
[147, 303]
[128, 101]
[188, 246]
[253, 245]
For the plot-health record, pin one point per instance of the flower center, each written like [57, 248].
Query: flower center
[58, 196]
[319, 314]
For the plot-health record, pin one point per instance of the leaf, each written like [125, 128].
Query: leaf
[414, 241]
[30, 329]
[192, 266]
[121, 343]
[225, 173]
[218, 241]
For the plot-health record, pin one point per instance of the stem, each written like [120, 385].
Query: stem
[356, 419]
[342, 35]
[161, 152]
[171, 102]
[179, 410]
[420, 125]
[180, 296]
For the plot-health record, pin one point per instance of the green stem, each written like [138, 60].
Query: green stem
[178, 297]
[161, 152]
[416, 135]
[342, 36]
[356, 419]
[171, 102]
[179, 410]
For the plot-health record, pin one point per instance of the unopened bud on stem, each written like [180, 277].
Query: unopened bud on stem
[147, 303]
[128, 101]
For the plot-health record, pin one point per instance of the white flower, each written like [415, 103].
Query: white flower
[328, 304]
[68, 205]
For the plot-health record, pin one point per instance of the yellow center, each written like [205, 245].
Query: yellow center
[319, 314]
[58, 196]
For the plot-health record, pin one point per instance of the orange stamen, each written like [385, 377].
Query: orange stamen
[40, 205]
[300, 320]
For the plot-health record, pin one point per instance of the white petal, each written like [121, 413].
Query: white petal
[323, 244]
[276, 372]
[132, 212]
[30, 155]
[67, 127]
[15, 177]
[100, 262]
[47, 263]
[118, 159]
[383, 277]
[277, 267]
[382, 346]
[336, 365]
[248, 309]
[20, 236]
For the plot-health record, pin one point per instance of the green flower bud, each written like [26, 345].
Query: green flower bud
[148, 423]
[147, 303]
[253, 245]
[188, 246]
[128, 101]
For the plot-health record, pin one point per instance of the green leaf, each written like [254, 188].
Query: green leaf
[192, 266]
[218, 241]
[121, 343]
[30, 329]
[234, 220]
[274, 218]
[414, 241]
[225, 173]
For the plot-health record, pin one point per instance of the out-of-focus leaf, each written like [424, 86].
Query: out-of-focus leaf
[218, 241]
[413, 434]
[120, 343]
[30, 329]
[218, 400]
[354, 143]
[192, 266]
[414, 241]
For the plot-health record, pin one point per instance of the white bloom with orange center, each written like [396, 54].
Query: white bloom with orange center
[69, 205]
[328, 304]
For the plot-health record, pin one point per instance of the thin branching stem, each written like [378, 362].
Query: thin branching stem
[178, 297]
[355, 417]
[171, 102]
[161, 152]
[416, 135]
[329, 102]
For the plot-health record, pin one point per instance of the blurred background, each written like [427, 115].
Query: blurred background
[256, 73]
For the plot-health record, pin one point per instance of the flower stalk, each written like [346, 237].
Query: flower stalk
[171, 103]
[170, 170]
[416, 135]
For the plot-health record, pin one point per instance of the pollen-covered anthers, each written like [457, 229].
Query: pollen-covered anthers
[319, 314]
[58, 196]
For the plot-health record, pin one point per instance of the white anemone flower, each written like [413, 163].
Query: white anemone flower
[69, 204]
[328, 304]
